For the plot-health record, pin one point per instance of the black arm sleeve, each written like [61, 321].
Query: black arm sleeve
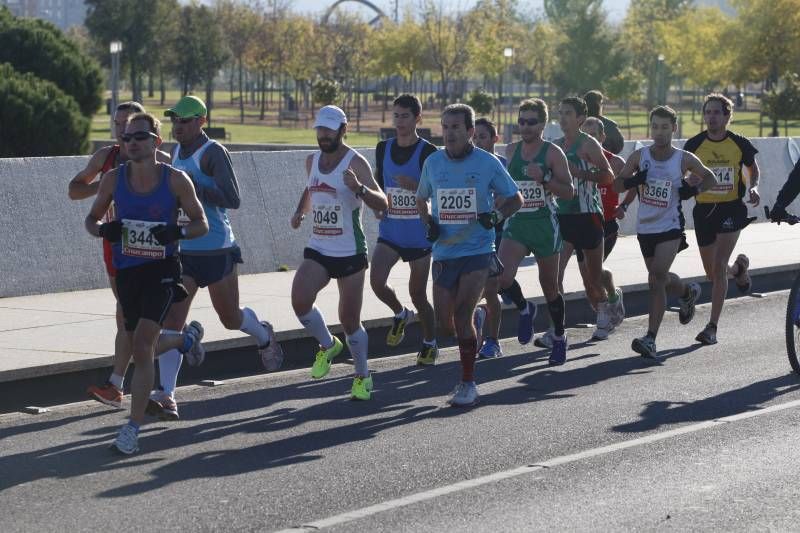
[614, 142]
[791, 188]
[380, 151]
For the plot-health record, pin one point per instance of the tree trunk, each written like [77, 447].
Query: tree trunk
[162, 86]
[241, 92]
[263, 93]
[151, 91]
[209, 98]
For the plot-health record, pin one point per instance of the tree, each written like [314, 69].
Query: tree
[534, 55]
[42, 49]
[625, 86]
[38, 118]
[240, 25]
[327, 92]
[783, 104]
[447, 37]
[481, 102]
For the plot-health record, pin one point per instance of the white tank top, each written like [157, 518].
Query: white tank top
[659, 203]
[336, 229]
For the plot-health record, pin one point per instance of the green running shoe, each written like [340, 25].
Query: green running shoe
[362, 388]
[322, 364]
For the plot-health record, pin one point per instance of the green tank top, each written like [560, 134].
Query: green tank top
[587, 195]
[537, 201]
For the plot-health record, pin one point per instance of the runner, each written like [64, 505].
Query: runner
[144, 236]
[84, 185]
[212, 260]
[401, 234]
[339, 181]
[720, 214]
[581, 218]
[462, 183]
[541, 172]
[658, 171]
[485, 138]
[614, 141]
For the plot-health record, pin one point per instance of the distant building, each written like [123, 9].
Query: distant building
[62, 13]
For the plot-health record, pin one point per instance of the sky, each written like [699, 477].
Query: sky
[616, 8]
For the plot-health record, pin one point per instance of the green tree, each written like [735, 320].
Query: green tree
[327, 92]
[481, 102]
[38, 118]
[624, 87]
[240, 24]
[783, 104]
[447, 37]
[43, 50]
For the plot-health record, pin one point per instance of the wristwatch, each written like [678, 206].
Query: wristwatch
[361, 191]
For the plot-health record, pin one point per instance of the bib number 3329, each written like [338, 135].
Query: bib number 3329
[457, 206]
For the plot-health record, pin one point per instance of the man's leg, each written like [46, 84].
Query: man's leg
[418, 290]
[511, 254]
[171, 358]
[310, 278]
[383, 260]
[548, 279]
[659, 279]
[563, 261]
[715, 261]
[144, 340]
[351, 296]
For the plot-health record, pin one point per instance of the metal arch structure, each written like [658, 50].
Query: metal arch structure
[379, 13]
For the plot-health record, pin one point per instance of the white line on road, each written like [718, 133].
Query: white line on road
[364, 512]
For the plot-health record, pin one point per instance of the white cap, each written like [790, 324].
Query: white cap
[330, 117]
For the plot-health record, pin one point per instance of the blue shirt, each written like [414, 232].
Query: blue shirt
[401, 224]
[459, 190]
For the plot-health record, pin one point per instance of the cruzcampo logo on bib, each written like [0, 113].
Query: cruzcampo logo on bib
[137, 241]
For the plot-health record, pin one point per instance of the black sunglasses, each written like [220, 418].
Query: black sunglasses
[175, 119]
[528, 121]
[138, 136]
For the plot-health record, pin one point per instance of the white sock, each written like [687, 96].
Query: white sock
[358, 343]
[169, 364]
[116, 380]
[253, 327]
[315, 325]
[402, 314]
[429, 343]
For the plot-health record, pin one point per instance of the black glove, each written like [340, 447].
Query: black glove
[686, 191]
[490, 220]
[777, 213]
[166, 234]
[111, 231]
[638, 179]
[432, 231]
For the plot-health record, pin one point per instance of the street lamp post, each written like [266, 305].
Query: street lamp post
[662, 96]
[508, 53]
[115, 48]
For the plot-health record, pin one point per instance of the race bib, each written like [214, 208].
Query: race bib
[328, 220]
[725, 176]
[402, 203]
[533, 195]
[183, 218]
[457, 206]
[657, 193]
[137, 241]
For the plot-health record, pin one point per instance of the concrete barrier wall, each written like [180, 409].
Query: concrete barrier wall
[45, 249]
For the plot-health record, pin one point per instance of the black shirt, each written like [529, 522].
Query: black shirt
[400, 155]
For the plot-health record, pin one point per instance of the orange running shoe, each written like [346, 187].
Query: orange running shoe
[107, 394]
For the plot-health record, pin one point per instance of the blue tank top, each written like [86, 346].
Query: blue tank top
[401, 225]
[138, 213]
[220, 233]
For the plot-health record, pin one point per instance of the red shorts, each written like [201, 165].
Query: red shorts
[108, 259]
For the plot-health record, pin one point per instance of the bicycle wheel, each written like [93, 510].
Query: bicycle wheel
[793, 325]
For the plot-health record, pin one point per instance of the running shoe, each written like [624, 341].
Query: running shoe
[464, 395]
[322, 363]
[686, 311]
[127, 441]
[490, 349]
[645, 346]
[107, 394]
[525, 324]
[162, 405]
[193, 350]
[397, 332]
[708, 336]
[427, 355]
[545, 340]
[618, 309]
[558, 356]
[272, 353]
[604, 323]
[743, 278]
[478, 320]
[361, 389]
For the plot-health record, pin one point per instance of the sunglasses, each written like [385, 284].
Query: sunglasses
[528, 121]
[175, 119]
[138, 136]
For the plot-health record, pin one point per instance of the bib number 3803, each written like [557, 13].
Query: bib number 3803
[457, 206]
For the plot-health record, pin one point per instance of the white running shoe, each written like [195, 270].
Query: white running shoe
[646, 347]
[196, 354]
[546, 339]
[464, 395]
[272, 353]
[604, 324]
[618, 309]
[127, 441]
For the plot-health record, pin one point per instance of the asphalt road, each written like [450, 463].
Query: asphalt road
[707, 439]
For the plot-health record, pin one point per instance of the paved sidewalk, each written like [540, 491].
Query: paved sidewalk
[56, 333]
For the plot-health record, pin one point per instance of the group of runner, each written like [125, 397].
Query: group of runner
[472, 213]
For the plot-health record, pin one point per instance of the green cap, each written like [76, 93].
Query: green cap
[187, 107]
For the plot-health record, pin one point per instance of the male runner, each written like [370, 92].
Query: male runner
[462, 183]
[485, 138]
[613, 142]
[541, 172]
[144, 236]
[210, 261]
[658, 172]
[401, 235]
[720, 214]
[339, 181]
[581, 218]
[85, 185]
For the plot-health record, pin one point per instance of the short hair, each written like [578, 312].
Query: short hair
[664, 111]
[488, 124]
[155, 124]
[409, 101]
[601, 128]
[578, 104]
[461, 109]
[725, 102]
[534, 104]
[594, 99]
[136, 107]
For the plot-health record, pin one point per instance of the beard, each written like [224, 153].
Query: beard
[330, 146]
